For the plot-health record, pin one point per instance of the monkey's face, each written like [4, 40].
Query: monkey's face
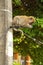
[31, 20]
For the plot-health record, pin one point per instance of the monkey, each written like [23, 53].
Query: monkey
[26, 21]
[23, 20]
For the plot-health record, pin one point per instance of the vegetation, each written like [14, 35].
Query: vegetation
[28, 7]
[16, 63]
[25, 44]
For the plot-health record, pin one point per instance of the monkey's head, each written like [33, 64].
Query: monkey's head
[31, 20]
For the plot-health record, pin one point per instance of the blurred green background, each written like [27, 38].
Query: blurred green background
[26, 45]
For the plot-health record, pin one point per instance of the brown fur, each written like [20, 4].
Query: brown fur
[24, 20]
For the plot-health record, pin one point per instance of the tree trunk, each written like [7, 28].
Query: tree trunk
[2, 38]
[6, 38]
[9, 35]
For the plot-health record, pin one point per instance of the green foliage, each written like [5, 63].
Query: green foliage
[23, 44]
[16, 63]
[28, 46]
[41, 0]
[17, 2]
[28, 7]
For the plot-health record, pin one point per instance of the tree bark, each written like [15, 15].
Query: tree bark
[2, 38]
[6, 37]
[9, 35]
